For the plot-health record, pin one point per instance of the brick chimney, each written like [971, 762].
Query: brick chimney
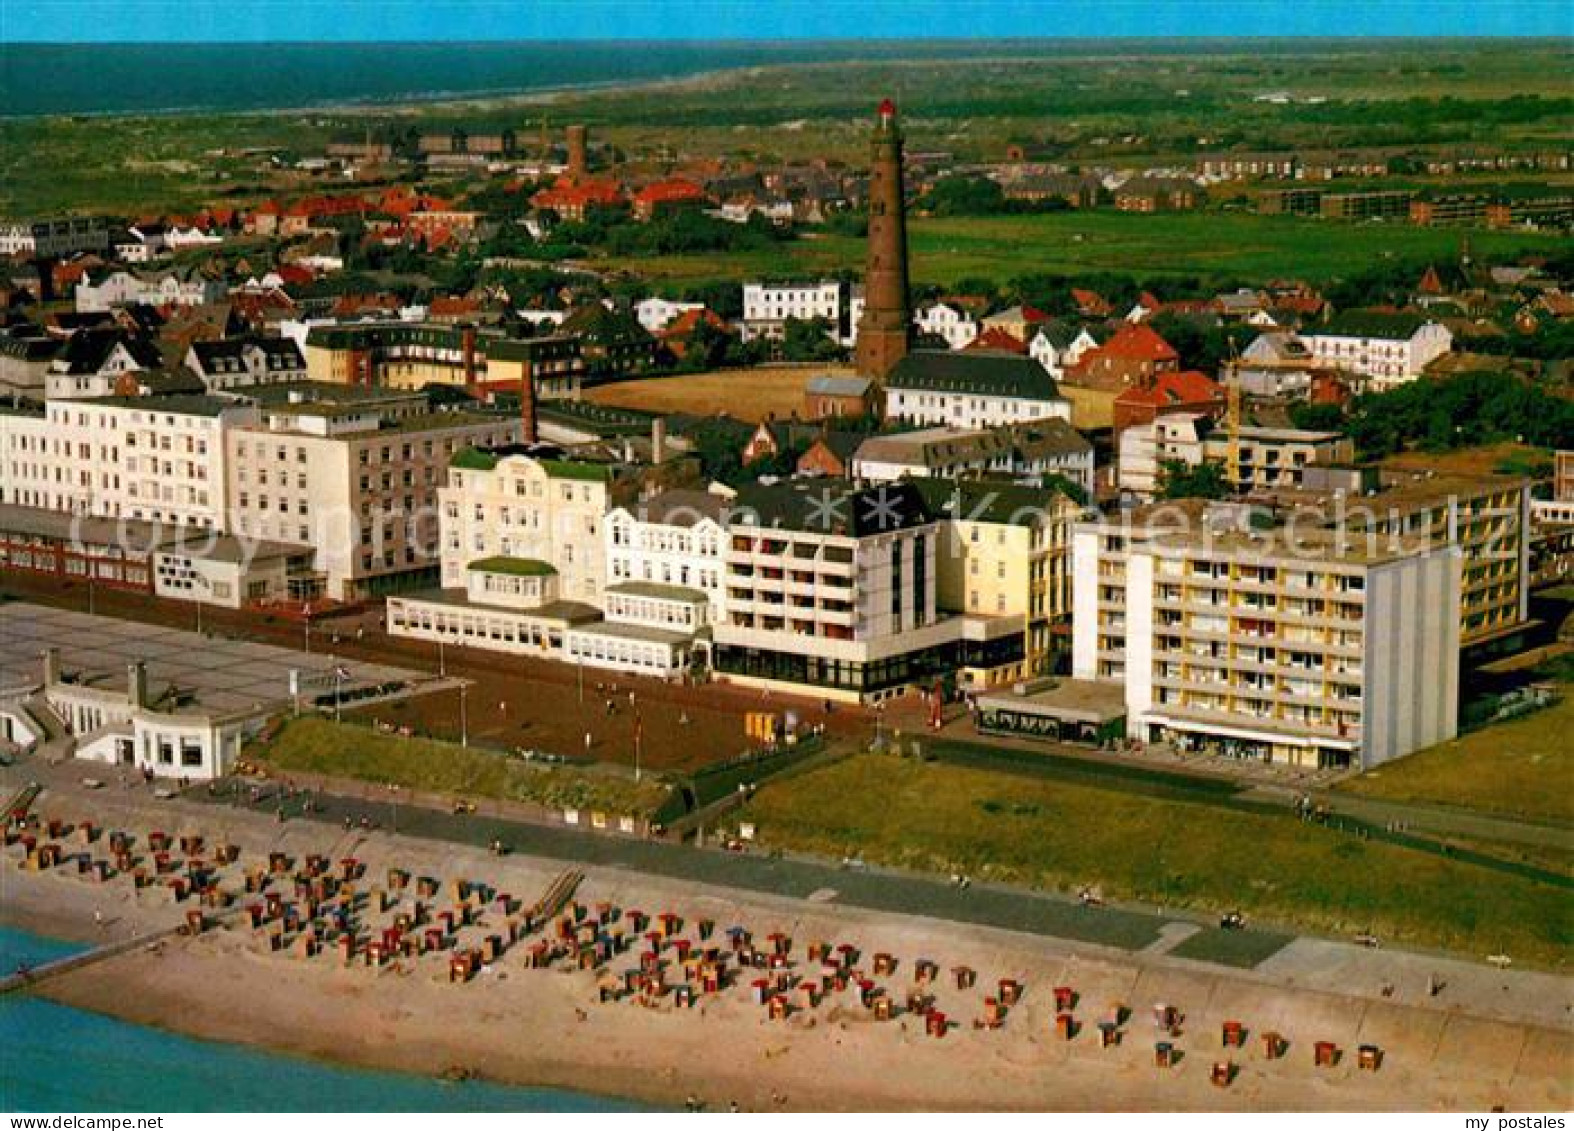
[137, 684]
[658, 441]
[527, 405]
[51, 666]
[467, 353]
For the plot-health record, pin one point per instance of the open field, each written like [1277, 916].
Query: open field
[777, 392]
[1120, 102]
[1523, 768]
[1224, 246]
[317, 746]
[747, 394]
[1172, 853]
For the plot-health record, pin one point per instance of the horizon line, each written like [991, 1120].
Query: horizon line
[1072, 37]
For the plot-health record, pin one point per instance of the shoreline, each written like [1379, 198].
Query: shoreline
[512, 1025]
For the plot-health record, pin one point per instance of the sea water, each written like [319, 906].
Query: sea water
[55, 1058]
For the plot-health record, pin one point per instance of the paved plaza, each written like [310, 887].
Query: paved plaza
[222, 674]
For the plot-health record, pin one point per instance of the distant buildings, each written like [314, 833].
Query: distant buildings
[1390, 349]
[187, 287]
[1023, 452]
[54, 238]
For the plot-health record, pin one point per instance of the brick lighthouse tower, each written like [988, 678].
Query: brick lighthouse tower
[886, 326]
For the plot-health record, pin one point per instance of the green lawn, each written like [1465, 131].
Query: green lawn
[312, 745]
[1523, 768]
[942, 818]
[1214, 244]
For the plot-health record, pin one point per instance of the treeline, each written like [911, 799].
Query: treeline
[1457, 412]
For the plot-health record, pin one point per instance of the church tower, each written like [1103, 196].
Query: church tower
[885, 329]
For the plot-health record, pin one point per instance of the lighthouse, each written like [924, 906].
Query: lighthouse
[885, 329]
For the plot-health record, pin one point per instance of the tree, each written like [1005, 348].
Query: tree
[1466, 410]
[1200, 345]
[1317, 417]
[1181, 480]
[810, 341]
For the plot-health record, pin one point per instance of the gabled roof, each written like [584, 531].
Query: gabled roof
[687, 322]
[228, 355]
[1169, 388]
[980, 373]
[87, 351]
[997, 339]
[680, 507]
[670, 191]
[1138, 342]
[1091, 302]
[595, 323]
[989, 501]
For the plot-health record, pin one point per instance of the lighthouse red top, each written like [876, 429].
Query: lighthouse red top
[887, 109]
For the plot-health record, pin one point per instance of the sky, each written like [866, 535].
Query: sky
[108, 21]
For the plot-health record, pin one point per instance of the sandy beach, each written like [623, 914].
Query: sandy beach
[515, 1024]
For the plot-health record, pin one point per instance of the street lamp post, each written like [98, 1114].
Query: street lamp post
[464, 718]
[442, 661]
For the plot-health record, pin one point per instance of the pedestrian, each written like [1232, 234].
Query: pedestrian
[98, 919]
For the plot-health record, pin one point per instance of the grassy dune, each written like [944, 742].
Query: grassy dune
[943, 818]
[1523, 768]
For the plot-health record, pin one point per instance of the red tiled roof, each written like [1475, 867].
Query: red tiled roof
[670, 191]
[1167, 389]
[994, 338]
[1299, 304]
[1138, 343]
[1090, 301]
[567, 194]
[684, 324]
[453, 304]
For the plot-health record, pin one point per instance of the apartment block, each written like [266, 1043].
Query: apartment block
[1232, 635]
[1486, 518]
[158, 459]
[830, 588]
[671, 539]
[354, 473]
[411, 355]
[1268, 458]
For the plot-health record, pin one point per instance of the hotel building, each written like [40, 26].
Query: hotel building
[831, 589]
[1272, 642]
[355, 473]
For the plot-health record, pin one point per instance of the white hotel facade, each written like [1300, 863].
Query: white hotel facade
[1276, 644]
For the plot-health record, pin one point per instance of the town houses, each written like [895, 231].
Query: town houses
[396, 391]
